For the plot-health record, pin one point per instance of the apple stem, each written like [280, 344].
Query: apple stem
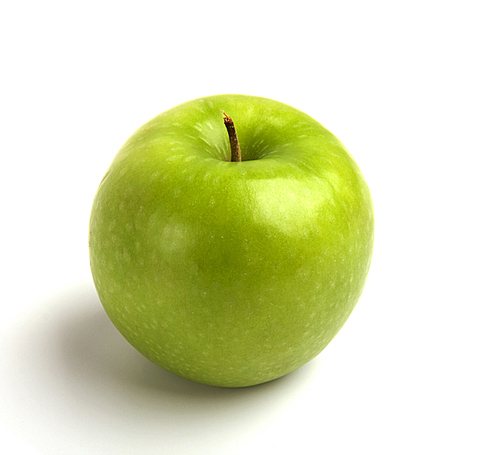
[233, 139]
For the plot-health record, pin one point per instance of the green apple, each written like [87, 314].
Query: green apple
[231, 273]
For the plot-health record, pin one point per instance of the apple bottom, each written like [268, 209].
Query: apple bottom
[231, 336]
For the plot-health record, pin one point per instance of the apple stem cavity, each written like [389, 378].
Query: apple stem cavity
[233, 138]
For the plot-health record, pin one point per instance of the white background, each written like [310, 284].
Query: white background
[411, 88]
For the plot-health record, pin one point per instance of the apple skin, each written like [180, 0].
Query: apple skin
[231, 273]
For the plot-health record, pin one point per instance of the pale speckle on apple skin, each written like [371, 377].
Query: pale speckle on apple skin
[126, 256]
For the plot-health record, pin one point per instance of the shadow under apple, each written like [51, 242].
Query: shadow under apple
[75, 384]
